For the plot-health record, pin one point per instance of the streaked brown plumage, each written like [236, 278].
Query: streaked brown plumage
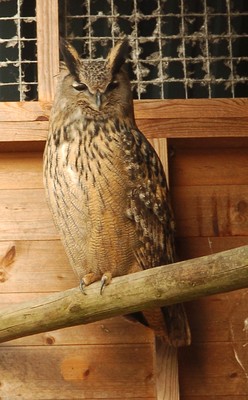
[105, 183]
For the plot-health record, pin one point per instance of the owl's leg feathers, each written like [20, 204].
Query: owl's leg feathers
[106, 279]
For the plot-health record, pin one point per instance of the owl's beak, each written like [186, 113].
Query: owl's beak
[98, 99]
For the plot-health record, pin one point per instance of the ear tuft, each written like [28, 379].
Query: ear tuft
[118, 55]
[70, 56]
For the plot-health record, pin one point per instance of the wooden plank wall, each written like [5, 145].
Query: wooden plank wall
[209, 185]
[110, 359]
[208, 179]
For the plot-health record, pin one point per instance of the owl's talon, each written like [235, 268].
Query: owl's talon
[82, 286]
[106, 279]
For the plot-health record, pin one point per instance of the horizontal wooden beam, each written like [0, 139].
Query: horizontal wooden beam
[26, 111]
[195, 118]
[155, 287]
[191, 108]
[23, 131]
[144, 109]
[193, 127]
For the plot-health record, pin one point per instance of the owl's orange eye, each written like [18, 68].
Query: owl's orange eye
[79, 86]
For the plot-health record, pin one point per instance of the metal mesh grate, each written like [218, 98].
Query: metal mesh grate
[18, 59]
[181, 48]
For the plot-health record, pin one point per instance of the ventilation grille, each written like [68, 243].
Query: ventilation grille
[180, 48]
[18, 55]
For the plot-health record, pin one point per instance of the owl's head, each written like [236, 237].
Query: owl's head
[99, 85]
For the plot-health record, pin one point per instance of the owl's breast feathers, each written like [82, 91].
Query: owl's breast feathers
[108, 183]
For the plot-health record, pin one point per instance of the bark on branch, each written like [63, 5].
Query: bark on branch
[163, 285]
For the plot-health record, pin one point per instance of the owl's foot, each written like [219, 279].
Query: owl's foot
[106, 279]
[87, 280]
[91, 277]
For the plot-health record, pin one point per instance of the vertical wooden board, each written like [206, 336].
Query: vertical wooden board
[166, 372]
[47, 47]
[166, 358]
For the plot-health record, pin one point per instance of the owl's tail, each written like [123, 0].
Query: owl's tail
[170, 324]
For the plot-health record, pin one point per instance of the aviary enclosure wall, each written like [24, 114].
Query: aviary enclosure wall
[189, 72]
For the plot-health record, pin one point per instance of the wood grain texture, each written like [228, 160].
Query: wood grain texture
[209, 179]
[144, 109]
[167, 372]
[47, 47]
[190, 247]
[25, 215]
[157, 119]
[219, 367]
[191, 108]
[199, 165]
[27, 111]
[35, 269]
[76, 372]
[194, 127]
[23, 131]
[211, 210]
[220, 318]
[118, 330]
[152, 128]
[21, 171]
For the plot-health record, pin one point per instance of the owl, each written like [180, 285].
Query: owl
[105, 184]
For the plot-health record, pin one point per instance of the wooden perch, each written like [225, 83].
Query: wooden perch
[163, 285]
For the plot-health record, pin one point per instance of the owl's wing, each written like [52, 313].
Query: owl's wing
[150, 211]
[149, 205]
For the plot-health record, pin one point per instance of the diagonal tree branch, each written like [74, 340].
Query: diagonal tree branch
[174, 283]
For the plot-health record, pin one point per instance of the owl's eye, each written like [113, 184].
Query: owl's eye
[79, 86]
[112, 85]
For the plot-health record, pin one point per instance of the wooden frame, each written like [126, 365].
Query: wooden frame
[196, 118]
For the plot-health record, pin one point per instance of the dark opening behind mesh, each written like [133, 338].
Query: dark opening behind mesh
[18, 54]
[180, 48]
